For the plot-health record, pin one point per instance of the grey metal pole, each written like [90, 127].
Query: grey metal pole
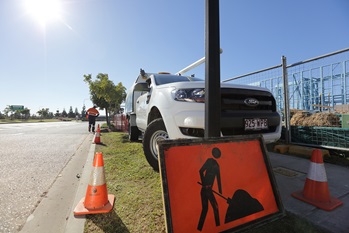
[193, 65]
[212, 71]
[286, 101]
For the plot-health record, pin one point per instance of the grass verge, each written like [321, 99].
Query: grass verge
[137, 189]
[8, 121]
[138, 198]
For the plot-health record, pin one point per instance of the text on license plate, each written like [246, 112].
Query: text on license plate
[256, 124]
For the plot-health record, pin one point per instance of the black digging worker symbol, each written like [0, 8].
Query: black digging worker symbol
[241, 204]
[208, 173]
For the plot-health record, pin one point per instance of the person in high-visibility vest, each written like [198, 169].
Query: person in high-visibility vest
[91, 115]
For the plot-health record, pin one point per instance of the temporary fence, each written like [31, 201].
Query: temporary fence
[312, 96]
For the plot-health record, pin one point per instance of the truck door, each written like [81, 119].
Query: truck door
[141, 112]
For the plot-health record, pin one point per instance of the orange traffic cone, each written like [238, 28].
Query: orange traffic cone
[97, 199]
[98, 136]
[315, 190]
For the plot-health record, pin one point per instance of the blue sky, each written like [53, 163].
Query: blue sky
[42, 65]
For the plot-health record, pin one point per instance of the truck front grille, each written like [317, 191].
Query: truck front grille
[234, 110]
[234, 100]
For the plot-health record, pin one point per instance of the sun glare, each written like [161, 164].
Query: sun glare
[44, 11]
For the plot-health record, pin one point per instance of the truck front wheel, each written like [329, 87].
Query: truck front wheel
[156, 131]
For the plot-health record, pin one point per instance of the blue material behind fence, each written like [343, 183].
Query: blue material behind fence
[314, 85]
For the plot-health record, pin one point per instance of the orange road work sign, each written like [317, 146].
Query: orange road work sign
[215, 185]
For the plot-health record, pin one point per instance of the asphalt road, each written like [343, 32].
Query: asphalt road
[32, 157]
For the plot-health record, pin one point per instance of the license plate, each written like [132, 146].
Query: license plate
[256, 124]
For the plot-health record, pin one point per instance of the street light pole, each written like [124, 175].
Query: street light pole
[84, 101]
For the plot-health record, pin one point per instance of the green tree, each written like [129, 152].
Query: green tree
[71, 113]
[43, 113]
[104, 93]
[57, 113]
[8, 111]
[83, 111]
[121, 96]
[64, 113]
[17, 114]
[76, 112]
[26, 113]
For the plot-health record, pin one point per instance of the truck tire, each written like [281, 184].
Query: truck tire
[133, 133]
[156, 131]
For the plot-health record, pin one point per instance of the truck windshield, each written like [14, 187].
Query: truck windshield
[164, 79]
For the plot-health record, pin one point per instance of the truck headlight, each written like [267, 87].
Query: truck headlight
[189, 95]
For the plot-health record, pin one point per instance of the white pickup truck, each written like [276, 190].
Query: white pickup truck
[166, 106]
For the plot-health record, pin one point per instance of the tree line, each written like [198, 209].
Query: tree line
[103, 93]
[43, 113]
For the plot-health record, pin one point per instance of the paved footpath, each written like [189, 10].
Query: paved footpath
[337, 220]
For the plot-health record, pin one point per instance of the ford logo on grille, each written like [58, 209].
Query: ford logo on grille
[251, 102]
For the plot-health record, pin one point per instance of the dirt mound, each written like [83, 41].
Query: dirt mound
[323, 119]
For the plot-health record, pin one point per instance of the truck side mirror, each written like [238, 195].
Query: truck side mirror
[141, 87]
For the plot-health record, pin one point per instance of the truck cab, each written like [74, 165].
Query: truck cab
[164, 106]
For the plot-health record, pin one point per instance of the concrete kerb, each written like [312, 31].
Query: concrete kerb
[55, 209]
[77, 223]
